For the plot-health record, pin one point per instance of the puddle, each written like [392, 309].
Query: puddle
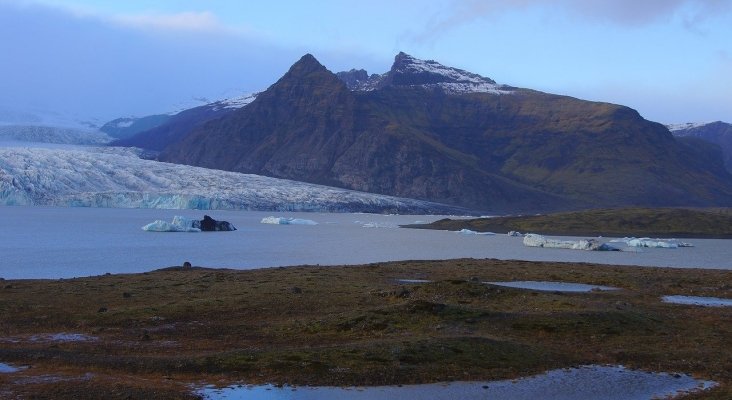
[413, 281]
[698, 301]
[586, 382]
[8, 369]
[63, 337]
[552, 286]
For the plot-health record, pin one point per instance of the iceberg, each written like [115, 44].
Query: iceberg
[534, 240]
[653, 243]
[287, 221]
[183, 224]
[179, 224]
[470, 232]
[514, 233]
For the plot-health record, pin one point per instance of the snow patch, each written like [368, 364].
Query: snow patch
[685, 126]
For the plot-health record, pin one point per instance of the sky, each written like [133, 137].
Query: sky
[669, 59]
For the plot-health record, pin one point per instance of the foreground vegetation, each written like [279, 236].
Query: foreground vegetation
[639, 222]
[151, 335]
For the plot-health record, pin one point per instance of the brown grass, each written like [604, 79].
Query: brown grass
[353, 326]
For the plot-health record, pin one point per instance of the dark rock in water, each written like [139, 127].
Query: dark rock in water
[209, 224]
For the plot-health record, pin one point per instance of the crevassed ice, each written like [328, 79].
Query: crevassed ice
[118, 178]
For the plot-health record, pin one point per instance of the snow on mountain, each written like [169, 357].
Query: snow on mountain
[686, 125]
[109, 177]
[411, 71]
[52, 134]
[234, 102]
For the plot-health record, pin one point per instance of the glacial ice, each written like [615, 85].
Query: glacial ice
[471, 232]
[534, 240]
[179, 224]
[119, 178]
[654, 243]
[287, 221]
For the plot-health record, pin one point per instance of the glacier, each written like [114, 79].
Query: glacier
[52, 134]
[112, 177]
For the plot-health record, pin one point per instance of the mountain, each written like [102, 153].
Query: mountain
[117, 177]
[165, 130]
[719, 133]
[125, 127]
[424, 130]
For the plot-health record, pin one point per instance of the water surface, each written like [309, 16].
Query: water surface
[587, 382]
[49, 242]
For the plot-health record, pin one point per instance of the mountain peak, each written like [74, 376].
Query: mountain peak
[416, 71]
[307, 64]
[411, 71]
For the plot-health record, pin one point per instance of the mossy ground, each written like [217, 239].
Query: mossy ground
[158, 332]
[612, 222]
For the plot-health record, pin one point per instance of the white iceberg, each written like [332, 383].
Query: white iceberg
[179, 224]
[654, 243]
[287, 221]
[514, 233]
[469, 232]
[534, 240]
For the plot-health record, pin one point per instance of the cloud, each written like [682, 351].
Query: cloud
[628, 13]
[204, 21]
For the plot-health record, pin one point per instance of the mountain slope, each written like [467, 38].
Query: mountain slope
[165, 130]
[424, 130]
[719, 133]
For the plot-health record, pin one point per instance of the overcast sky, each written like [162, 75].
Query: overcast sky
[669, 59]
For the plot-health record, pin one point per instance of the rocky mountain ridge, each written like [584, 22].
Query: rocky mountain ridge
[718, 133]
[423, 130]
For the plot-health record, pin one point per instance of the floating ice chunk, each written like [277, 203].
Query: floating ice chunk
[469, 232]
[179, 224]
[287, 221]
[698, 301]
[514, 233]
[534, 240]
[654, 243]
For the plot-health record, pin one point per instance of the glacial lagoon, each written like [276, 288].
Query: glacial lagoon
[49, 242]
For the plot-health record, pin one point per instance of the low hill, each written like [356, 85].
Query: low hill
[639, 222]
